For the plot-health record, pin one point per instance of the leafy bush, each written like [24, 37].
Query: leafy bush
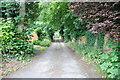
[108, 61]
[40, 33]
[14, 42]
[45, 43]
[91, 52]
[36, 42]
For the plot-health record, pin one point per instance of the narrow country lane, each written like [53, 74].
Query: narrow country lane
[58, 61]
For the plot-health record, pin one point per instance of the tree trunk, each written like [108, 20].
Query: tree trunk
[22, 15]
[0, 10]
[51, 37]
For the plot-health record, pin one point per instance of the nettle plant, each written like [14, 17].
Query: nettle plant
[15, 43]
[110, 60]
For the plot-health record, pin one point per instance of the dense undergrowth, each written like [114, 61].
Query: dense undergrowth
[15, 43]
[108, 61]
[16, 29]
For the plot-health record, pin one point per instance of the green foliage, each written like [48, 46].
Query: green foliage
[10, 9]
[90, 38]
[91, 52]
[39, 47]
[41, 33]
[15, 43]
[36, 42]
[32, 11]
[53, 14]
[45, 43]
[100, 40]
[57, 16]
[108, 61]
[0, 39]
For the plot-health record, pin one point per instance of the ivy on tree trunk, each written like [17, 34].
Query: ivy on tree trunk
[22, 15]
